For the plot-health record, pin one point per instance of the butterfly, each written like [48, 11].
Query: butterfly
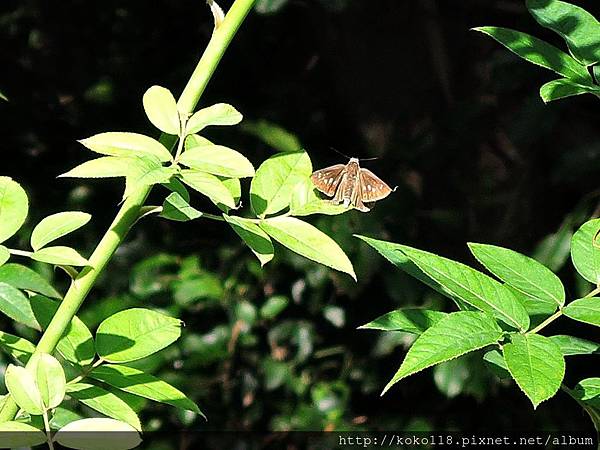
[350, 185]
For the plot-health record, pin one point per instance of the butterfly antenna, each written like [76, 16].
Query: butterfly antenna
[340, 153]
[369, 159]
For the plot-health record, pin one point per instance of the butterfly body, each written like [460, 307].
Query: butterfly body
[350, 185]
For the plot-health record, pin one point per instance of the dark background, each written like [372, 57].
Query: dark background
[456, 122]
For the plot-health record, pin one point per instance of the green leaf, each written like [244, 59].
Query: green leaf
[563, 87]
[585, 310]
[18, 434]
[22, 277]
[208, 185]
[4, 255]
[497, 364]
[521, 272]
[175, 207]
[49, 378]
[21, 384]
[76, 344]
[62, 416]
[134, 334]
[273, 185]
[308, 241]
[588, 389]
[234, 187]
[60, 256]
[570, 345]
[409, 320]
[126, 144]
[578, 27]
[98, 433]
[104, 167]
[273, 135]
[146, 171]
[13, 207]
[305, 201]
[454, 335]
[273, 306]
[219, 114]
[472, 286]
[254, 237]
[104, 402]
[393, 253]
[537, 365]
[56, 226]
[585, 251]
[215, 159]
[145, 385]
[16, 306]
[17, 347]
[161, 109]
[539, 52]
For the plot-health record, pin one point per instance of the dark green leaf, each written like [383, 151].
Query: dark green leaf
[539, 52]
[254, 237]
[570, 345]
[22, 277]
[563, 87]
[16, 306]
[175, 207]
[537, 365]
[409, 320]
[454, 335]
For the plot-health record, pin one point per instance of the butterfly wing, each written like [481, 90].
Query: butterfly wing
[372, 187]
[327, 180]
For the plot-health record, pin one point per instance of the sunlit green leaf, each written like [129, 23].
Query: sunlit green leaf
[104, 402]
[161, 109]
[308, 241]
[134, 334]
[563, 87]
[175, 207]
[208, 185]
[56, 226]
[18, 434]
[537, 365]
[16, 306]
[258, 241]
[215, 159]
[584, 310]
[22, 277]
[409, 320]
[521, 272]
[104, 167]
[4, 255]
[49, 378]
[585, 251]
[98, 433]
[146, 171]
[219, 114]
[145, 385]
[21, 384]
[59, 255]
[588, 388]
[13, 207]
[472, 286]
[539, 52]
[17, 347]
[571, 345]
[126, 144]
[454, 335]
[273, 185]
[76, 344]
[578, 27]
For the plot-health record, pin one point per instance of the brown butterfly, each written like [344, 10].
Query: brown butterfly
[350, 185]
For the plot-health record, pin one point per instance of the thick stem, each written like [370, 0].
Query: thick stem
[130, 209]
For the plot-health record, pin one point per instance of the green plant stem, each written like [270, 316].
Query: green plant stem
[130, 210]
[594, 292]
[546, 322]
